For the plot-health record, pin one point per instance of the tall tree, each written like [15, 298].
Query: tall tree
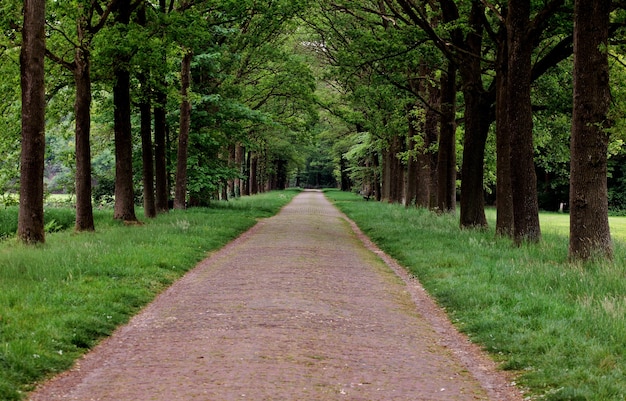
[80, 66]
[160, 134]
[147, 154]
[124, 208]
[183, 135]
[589, 226]
[31, 219]
[519, 122]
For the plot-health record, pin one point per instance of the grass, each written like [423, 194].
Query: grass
[560, 327]
[57, 300]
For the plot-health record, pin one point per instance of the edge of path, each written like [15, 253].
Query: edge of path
[498, 384]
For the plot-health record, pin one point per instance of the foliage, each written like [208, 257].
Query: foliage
[558, 327]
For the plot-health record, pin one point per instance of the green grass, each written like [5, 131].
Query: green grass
[58, 299]
[560, 327]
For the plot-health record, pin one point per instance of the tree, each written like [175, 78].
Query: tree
[183, 135]
[519, 122]
[31, 216]
[589, 226]
[80, 67]
[124, 189]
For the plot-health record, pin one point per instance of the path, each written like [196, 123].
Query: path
[295, 309]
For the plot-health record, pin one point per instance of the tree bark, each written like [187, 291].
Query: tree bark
[431, 131]
[520, 123]
[124, 208]
[160, 150]
[240, 165]
[147, 156]
[31, 216]
[254, 173]
[504, 188]
[446, 157]
[160, 135]
[477, 123]
[82, 113]
[183, 136]
[412, 176]
[589, 226]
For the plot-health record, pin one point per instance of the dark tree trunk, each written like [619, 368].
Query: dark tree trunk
[183, 136]
[147, 154]
[504, 188]
[520, 122]
[149, 203]
[431, 127]
[477, 123]
[254, 173]
[160, 151]
[230, 184]
[160, 138]
[446, 158]
[378, 192]
[240, 165]
[590, 235]
[412, 167]
[124, 208]
[386, 175]
[82, 113]
[245, 183]
[30, 228]
[346, 183]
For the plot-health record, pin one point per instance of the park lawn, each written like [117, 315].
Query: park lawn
[59, 299]
[559, 327]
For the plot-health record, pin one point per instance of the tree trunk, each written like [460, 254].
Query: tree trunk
[431, 134]
[183, 136]
[149, 203]
[254, 173]
[160, 150]
[245, 183]
[386, 175]
[476, 125]
[31, 219]
[160, 135]
[82, 113]
[240, 165]
[124, 208]
[412, 175]
[446, 157]
[504, 188]
[147, 154]
[519, 118]
[589, 227]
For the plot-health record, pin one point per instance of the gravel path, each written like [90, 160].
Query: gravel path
[298, 308]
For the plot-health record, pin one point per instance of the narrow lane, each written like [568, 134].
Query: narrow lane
[295, 309]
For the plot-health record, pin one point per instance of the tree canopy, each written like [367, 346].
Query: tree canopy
[418, 102]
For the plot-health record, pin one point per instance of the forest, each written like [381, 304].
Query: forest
[176, 103]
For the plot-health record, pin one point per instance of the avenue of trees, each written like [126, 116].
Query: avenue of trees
[517, 103]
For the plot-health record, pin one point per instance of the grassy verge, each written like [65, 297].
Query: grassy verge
[59, 299]
[560, 327]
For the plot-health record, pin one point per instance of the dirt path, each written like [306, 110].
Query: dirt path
[295, 309]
